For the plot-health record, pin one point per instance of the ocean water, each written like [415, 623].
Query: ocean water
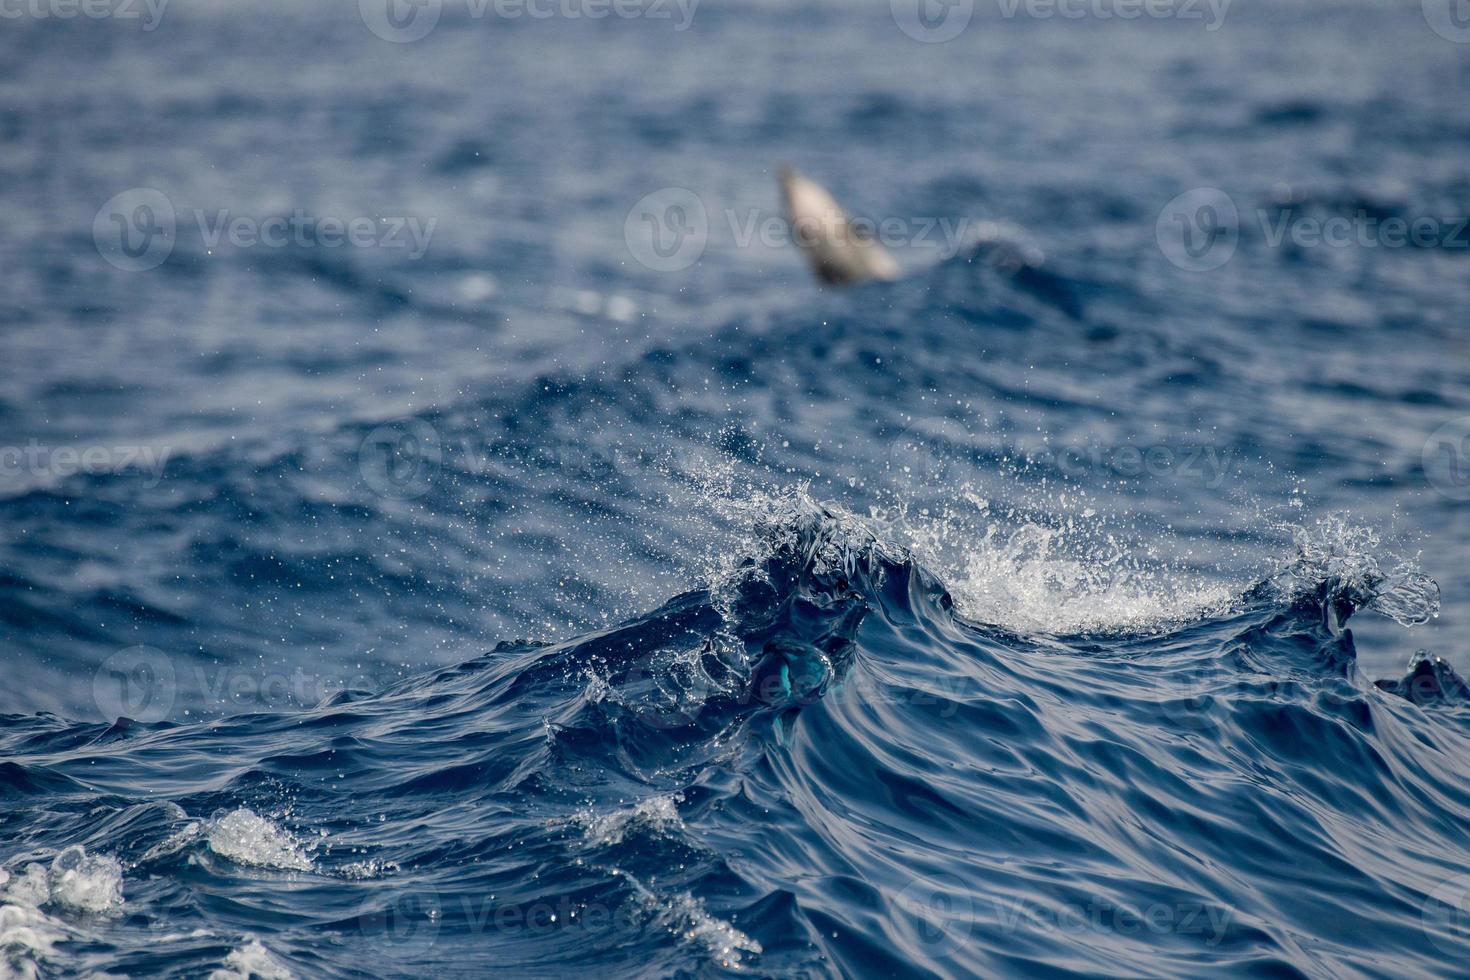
[445, 530]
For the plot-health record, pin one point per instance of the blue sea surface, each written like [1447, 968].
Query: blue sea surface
[446, 531]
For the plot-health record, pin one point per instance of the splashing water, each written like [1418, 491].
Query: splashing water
[246, 837]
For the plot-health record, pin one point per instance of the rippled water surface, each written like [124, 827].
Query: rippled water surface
[444, 530]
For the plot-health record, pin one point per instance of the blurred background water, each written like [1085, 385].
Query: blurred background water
[343, 342]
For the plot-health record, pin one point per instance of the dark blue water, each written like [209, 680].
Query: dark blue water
[551, 578]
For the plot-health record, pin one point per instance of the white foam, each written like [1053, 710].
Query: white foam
[27, 938]
[32, 887]
[597, 688]
[173, 844]
[1334, 548]
[686, 918]
[1074, 575]
[374, 868]
[659, 814]
[75, 881]
[245, 837]
[1035, 579]
[86, 882]
[621, 308]
[476, 287]
[252, 962]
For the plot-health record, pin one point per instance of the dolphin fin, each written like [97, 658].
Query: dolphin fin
[839, 254]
